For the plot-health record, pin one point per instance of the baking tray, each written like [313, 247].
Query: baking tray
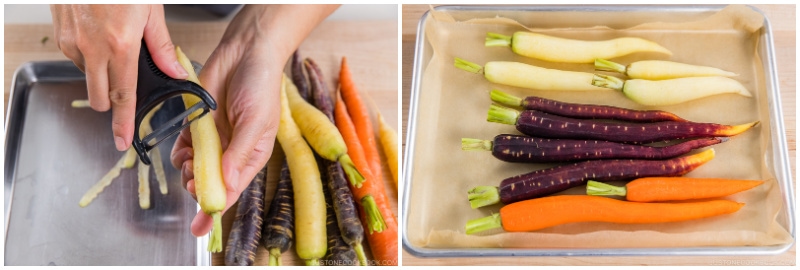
[54, 153]
[781, 166]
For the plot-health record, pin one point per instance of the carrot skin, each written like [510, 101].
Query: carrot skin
[548, 181]
[360, 116]
[339, 252]
[583, 111]
[537, 214]
[525, 149]
[652, 189]
[247, 225]
[320, 95]
[540, 124]
[298, 77]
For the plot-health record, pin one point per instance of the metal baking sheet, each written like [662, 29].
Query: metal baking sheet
[54, 153]
[782, 168]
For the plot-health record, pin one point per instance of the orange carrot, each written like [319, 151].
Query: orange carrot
[654, 189]
[360, 115]
[547, 212]
[376, 214]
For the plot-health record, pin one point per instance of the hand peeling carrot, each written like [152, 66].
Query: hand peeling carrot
[537, 214]
[655, 189]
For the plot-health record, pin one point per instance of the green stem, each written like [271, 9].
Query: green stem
[605, 65]
[355, 177]
[362, 258]
[497, 40]
[608, 82]
[505, 99]
[481, 196]
[312, 262]
[484, 223]
[215, 241]
[275, 257]
[603, 189]
[503, 115]
[375, 221]
[469, 144]
[468, 66]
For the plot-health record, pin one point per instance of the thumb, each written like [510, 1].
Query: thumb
[156, 36]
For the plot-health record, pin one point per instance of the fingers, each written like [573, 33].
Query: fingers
[97, 84]
[249, 149]
[158, 41]
[122, 76]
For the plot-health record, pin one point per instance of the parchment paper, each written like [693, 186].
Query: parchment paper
[453, 105]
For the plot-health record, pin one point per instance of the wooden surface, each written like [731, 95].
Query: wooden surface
[782, 20]
[370, 47]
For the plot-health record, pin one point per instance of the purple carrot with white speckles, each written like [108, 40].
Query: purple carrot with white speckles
[583, 111]
[556, 179]
[525, 149]
[540, 124]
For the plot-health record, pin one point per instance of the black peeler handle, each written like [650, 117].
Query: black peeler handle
[154, 87]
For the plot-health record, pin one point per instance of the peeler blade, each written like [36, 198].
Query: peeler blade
[154, 87]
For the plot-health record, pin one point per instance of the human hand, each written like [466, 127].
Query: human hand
[104, 42]
[244, 74]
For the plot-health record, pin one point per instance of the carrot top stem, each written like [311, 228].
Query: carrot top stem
[375, 221]
[608, 82]
[350, 169]
[481, 196]
[484, 223]
[468, 66]
[469, 144]
[505, 99]
[603, 189]
[362, 258]
[497, 40]
[605, 65]
[503, 115]
[274, 257]
[215, 243]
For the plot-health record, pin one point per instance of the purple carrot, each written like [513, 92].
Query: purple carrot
[540, 124]
[583, 111]
[518, 148]
[298, 77]
[556, 179]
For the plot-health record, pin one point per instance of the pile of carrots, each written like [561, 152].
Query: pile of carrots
[331, 195]
[601, 143]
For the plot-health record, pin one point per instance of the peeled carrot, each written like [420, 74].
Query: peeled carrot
[654, 189]
[376, 215]
[537, 214]
[360, 115]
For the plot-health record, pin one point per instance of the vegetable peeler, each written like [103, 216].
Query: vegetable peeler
[154, 87]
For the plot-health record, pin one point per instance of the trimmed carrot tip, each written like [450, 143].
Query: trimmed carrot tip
[375, 222]
[215, 241]
[608, 82]
[355, 177]
[484, 223]
[602, 189]
[468, 144]
[481, 196]
[497, 40]
[505, 99]
[274, 257]
[503, 115]
[605, 65]
[468, 66]
[738, 129]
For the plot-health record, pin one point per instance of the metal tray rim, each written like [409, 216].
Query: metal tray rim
[784, 172]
